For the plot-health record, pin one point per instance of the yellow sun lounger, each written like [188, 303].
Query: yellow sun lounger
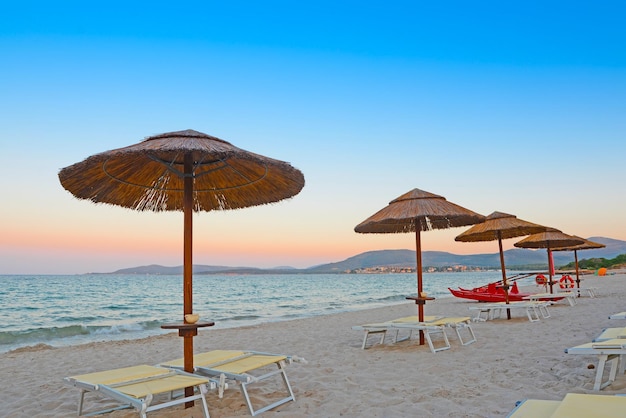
[619, 315]
[431, 325]
[534, 408]
[611, 333]
[494, 310]
[384, 328]
[457, 323]
[574, 405]
[239, 366]
[137, 386]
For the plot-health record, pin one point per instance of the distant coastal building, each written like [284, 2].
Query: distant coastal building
[429, 269]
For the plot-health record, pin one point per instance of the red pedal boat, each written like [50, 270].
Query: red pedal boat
[492, 293]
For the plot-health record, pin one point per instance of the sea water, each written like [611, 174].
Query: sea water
[77, 309]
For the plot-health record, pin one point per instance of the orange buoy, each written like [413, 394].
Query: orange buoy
[541, 280]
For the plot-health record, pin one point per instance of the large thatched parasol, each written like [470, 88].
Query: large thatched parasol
[499, 226]
[586, 245]
[418, 211]
[550, 239]
[182, 171]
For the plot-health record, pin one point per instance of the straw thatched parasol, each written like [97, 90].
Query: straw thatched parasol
[586, 245]
[499, 226]
[418, 211]
[182, 171]
[550, 239]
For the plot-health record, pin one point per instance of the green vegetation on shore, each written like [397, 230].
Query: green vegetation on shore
[596, 263]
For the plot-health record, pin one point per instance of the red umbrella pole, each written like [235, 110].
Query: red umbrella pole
[420, 305]
[188, 267]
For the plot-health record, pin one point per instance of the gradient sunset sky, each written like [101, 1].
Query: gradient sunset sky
[517, 107]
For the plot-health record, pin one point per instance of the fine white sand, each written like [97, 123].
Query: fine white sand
[512, 360]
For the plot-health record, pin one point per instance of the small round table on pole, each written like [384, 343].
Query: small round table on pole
[420, 302]
[188, 331]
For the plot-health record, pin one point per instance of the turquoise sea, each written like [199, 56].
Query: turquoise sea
[77, 309]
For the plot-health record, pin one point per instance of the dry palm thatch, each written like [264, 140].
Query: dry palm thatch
[418, 211]
[150, 175]
[499, 226]
[550, 239]
[586, 245]
[187, 171]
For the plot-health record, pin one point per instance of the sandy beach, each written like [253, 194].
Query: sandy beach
[512, 360]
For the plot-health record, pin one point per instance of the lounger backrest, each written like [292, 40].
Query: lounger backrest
[111, 377]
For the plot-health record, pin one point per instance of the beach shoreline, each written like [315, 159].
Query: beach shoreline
[512, 360]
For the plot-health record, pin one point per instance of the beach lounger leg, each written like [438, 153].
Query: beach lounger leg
[281, 371]
[600, 372]
[602, 360]
[81, 401]
[543, 308]
[530, 311]
[368, 332]
[480, 310]
[614, 367]
[364, 340]
[495, 313]
[458, 327]
[204, 390]
[439, 330]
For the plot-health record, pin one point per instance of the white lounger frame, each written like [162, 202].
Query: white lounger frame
[458, 324]
[568, 295]
[142, 405]
[591, 291]
[620, 315]
[393, 328]
[612, 352]
[494, 310]
[434, 327]
[245, 379]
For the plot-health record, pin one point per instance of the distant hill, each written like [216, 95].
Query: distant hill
[157, 269]
[514, 258]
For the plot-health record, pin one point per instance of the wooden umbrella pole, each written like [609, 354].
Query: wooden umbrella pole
[505, 284]
[188, 267]
[550, 267]
[418, 255]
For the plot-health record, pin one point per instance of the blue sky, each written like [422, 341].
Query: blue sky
[515, 107]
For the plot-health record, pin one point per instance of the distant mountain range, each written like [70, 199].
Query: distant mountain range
[516, 258]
